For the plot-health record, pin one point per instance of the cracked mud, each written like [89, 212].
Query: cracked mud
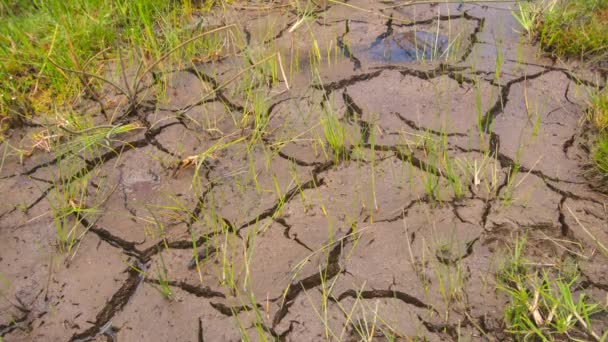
[445, 160]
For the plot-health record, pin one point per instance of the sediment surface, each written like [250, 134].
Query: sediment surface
[457, 138]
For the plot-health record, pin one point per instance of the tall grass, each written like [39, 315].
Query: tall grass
[84, 36]
[576, 28]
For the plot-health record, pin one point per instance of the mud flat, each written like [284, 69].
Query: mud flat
[372, 184]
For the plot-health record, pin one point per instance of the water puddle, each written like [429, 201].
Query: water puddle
[408, 47]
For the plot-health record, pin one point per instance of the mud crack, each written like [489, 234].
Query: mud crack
[112, 307]
[292, 193]
[198, 291]
[232, 310]
[503, 99]
[391, 294]
[345, 48]
[331, 270]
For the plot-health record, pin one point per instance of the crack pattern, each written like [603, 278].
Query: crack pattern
[353, 114]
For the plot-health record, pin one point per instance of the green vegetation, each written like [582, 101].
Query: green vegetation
[241, 154]
[577, 28]
[545, 304]
[574, 28]
[86, 36]
[598, 116]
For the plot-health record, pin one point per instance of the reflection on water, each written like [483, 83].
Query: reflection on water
[409, 46]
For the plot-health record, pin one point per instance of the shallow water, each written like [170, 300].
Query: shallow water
[409, 46]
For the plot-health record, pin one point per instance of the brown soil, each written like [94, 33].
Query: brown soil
[300, 247]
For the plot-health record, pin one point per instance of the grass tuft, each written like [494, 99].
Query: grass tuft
[575, 27]
[547, 305]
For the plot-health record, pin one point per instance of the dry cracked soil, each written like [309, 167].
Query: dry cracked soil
[457, 138]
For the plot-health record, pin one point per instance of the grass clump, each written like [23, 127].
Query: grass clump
[545, 305]
[35, 36]
[598, 111]
[575, 28]
[335, 134]
[597, 115]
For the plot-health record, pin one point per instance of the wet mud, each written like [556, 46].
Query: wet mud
[459, 137]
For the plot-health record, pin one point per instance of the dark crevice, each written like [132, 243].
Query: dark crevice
[569, 74]
[297, 161]
[219, 93]
[276, 336]
[565, 228]
[473, 37]
[280, 33]
[247, 36]
[441, 70]
[460, 78]
[371, 294]
[345, 48]
[331, 270]
[127, 247]
[198, 291]
[569, 194]
[441, 17]
[457, 214]
[567, 144]
[507, 162]
[404, 211]
[311, 184]
[587, 282]
[354, 115]
[486, 213]
[295, 238]
[35, 168]
[232, 310]
[385, 34]
[566, 94]
[200, 203]
[488, 207]
[413, 125]
[503, 99]
[299, 242]
[201, 332]
[343, 83]
[409, 158]
[160, 147]
[91, 164]
[204, 254]
[37, 200]
[285, 225]
[179, 244]
[353, 111]
[15, 323]
[283, 335]
[453, 261]
[292, 193]
[581, 81]
[447, 329]
[112, 307]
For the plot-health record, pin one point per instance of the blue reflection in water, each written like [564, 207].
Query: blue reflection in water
[409, 46]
